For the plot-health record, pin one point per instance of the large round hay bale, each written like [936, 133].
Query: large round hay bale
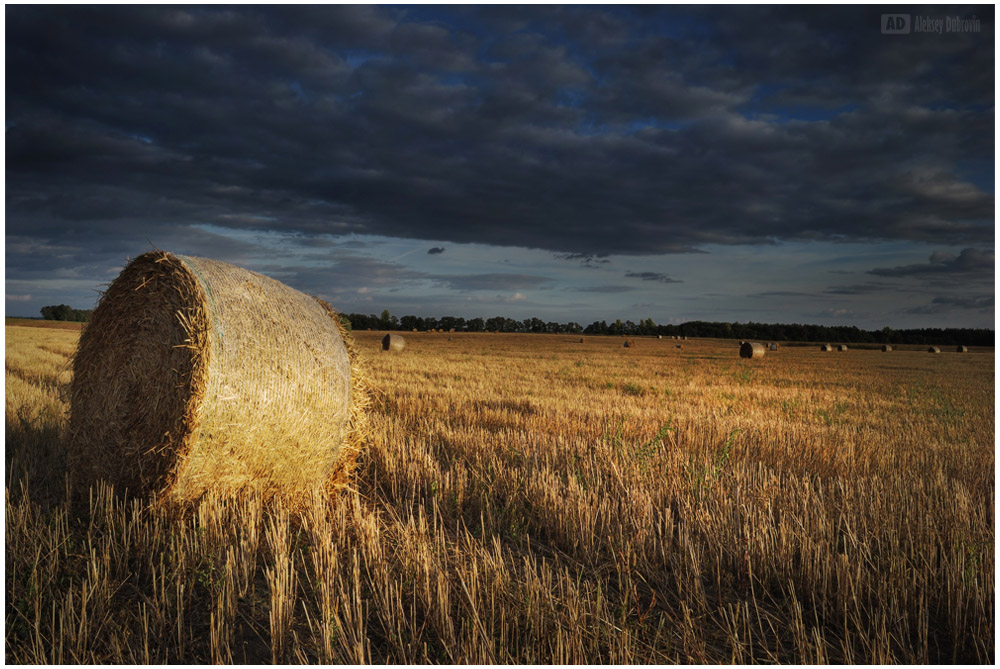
[841, 347]
[752, 349]
[629, 343]
[581, 340]
[826, 347]
[393, 342]
[962, 349]
[886, 348]
[659, 336]
[194, 376]
[933, 349]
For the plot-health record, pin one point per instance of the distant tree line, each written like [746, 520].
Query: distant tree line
[717, 330]
[64, 312]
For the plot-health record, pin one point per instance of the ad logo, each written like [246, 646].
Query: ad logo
[895, 24]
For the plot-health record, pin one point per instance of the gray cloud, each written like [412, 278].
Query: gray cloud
[472, 282]
[651, 276]
[950, 303]
[608, 289]
[970, 261]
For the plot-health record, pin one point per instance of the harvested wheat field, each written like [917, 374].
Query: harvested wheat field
[523, 499]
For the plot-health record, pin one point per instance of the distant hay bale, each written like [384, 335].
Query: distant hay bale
[393, 342]
[629, 343]
[826, 347]
[659, 336]
[684, 337]
[581, 340]
[414, 329]
[195, 376]
[772, 346]
[678, 345]
[451, 330]
[841, 347]
[933, 349]
[962, 349]
[886, 348]
[752, 350]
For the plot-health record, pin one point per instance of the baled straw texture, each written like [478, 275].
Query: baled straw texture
[393, 342]
[195, 375]
[752, 349]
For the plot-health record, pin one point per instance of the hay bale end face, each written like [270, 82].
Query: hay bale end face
[393, 342]
[195, 376]
[933, 349]
[962, 349]
[659, 336]
[841, 347]
[752, 350]
[886, 348]
[826, 347]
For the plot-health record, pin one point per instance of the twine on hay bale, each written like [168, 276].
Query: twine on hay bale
[393, 342]
[933, 349]
[826, 347]
[194, 376]
[962, 349]
[886, 348]
[752, 349]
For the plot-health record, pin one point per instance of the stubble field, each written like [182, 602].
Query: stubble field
[534, 499]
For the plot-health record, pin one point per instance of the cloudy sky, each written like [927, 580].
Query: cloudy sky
[775, 164]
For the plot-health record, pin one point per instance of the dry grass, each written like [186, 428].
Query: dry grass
[526, 500]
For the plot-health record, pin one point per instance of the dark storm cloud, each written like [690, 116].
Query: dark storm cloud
[585, 131]
[969, 262]
[437, 250]
[651, 276]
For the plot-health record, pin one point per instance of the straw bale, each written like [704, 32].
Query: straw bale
[841, 347]
[393, 342]
[752, 350]
[659, 336]
[826, 347]
[886, 348]
[629, 343]
[194, 376]
[962, 349]
[581, 340]
[933, 349]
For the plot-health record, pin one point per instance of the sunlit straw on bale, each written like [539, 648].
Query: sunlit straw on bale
[933, 349]
[195, 375]
[962, 349]
[841, 347]
[826, 347]
[886, 348]
[752, 350]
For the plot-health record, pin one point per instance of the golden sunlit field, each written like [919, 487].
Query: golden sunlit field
[534, 499]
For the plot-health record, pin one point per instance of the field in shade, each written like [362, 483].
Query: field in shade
[534, 499]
